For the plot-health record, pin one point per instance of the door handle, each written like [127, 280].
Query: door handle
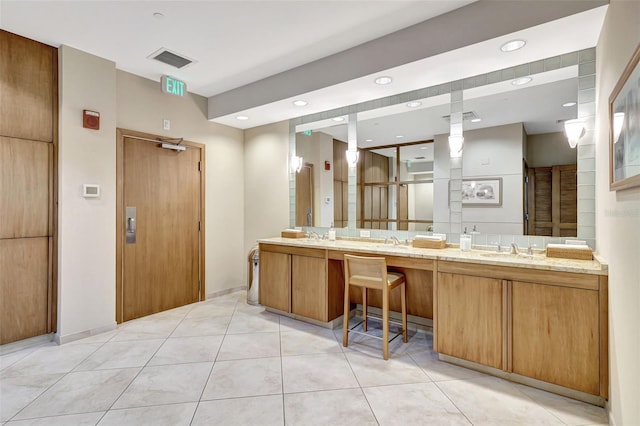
[130, 234]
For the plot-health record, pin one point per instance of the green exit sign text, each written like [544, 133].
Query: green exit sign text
[173, 86]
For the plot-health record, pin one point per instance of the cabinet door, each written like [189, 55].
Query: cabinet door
[275, 281]
[556, 335]
[470, 318]
[309, 287]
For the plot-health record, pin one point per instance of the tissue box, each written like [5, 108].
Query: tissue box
[570, 251]
[292, 233]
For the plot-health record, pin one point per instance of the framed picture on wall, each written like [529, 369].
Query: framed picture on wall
[482, 192]
[624, 128]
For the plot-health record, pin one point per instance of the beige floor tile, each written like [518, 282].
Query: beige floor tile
[305, 373]
[568, 410]
[249, 345]
[161, 415]
[81, 392]
[145, 328]
[310, 341]
[51, 360]
[166, 384]
[258, 410]
[291, 324]
[262, 322]
[17, 392]
[491, 401]
[335, 407]
[97, 338]
[439, 370]
[247, 377]
[413, 404]
[202, 326]
[121, 355]
[84, 419]
[181, 350]
[211, 310]
[375, 371]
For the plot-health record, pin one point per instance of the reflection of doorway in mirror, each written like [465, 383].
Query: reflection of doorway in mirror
[304, 196]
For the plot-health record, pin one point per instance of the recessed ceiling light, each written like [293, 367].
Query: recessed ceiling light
[476, 120]
[383, 80]
[241, 117]
[568, 104]
[158, 15]
[424, 147]
[414, 104]
[399, 136]
[368, 140]
[512, 45]
[520, 81]
[338, 118]
[300, 103]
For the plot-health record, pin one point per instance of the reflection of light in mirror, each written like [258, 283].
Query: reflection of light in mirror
[574, 130]
[455, 145]
[296, 163]
[618, 121]
[352, 158]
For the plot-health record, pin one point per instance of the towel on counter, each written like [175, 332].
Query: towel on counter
[434, 237]
[569, 246]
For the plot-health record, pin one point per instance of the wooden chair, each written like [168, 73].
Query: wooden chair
[371, 273]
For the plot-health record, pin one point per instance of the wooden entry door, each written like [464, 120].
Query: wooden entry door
[161, 265]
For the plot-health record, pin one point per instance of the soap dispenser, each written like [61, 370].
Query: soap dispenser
[332, 233]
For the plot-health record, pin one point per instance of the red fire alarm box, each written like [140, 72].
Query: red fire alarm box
[327, 165]
[90, 119]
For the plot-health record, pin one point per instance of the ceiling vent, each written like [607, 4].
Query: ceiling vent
[469, 115]
[171, 58]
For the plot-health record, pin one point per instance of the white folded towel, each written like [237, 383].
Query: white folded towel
[569, 246]
[292, 230]
[576, 242]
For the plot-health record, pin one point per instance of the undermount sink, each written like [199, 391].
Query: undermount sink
[508, 255]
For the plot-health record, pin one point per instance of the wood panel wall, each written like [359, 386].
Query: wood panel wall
[28, 152]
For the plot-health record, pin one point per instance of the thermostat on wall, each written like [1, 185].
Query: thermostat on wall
[90, 190]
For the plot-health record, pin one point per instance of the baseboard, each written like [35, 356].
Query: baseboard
[225, 292]
[61, 340]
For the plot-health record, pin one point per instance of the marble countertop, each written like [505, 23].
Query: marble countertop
[482, 255]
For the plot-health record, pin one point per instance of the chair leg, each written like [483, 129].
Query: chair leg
[385, 323]
[345, 317]
[365, 303]
[403, 295]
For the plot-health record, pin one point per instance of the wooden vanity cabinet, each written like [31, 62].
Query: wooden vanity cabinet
[309, 287]
[556, 335]
[546, 325]
[471, 313]
[275, 280]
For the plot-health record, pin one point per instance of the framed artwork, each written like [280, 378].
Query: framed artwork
[482, 192]
[624, 128]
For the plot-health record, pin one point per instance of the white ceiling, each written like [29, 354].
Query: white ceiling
[239, 42]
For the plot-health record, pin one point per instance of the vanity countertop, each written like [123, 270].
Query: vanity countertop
[450, 253]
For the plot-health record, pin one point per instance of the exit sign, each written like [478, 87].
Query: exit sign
[173, 86]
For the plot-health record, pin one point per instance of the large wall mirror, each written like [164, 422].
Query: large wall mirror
[519, 173]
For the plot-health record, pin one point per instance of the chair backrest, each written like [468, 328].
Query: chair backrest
[364, 271]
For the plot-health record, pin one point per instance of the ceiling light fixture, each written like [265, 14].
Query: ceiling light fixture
[574, 129]
[399, 136]
[352, 157]
[520, 81]
[455, 145]
[296, 163]
[241, 117]
[414, 104]
[338, 119]
[300, 103]
[512, 45]
[424, 147]
[568, 104]
[476, 120]
[383, 80]
[368, 140]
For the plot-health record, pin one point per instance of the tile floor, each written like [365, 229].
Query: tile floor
[223, 362]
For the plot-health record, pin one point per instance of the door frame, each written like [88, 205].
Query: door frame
[120, 135]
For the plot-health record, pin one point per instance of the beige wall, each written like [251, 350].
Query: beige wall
[86, 243]
[549, 149]
[86, 226]
[266, 177]
[618, 221]
[142, 106]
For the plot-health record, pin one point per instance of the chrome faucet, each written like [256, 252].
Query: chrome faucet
[314, 235]
[514, 248]
[392, 238]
